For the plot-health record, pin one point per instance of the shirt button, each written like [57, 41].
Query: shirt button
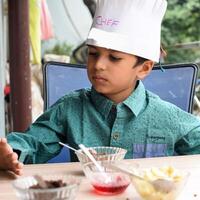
[116, 136]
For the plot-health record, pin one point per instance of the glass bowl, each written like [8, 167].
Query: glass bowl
[102, 153]
[169, 189]
[68, 192]
[108, 182]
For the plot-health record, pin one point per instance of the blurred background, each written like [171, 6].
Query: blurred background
[36, 31]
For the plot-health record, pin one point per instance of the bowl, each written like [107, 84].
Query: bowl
[166, 183]
[108, 182]
[25, 191]
[102, 153]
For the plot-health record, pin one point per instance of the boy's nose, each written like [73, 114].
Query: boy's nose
[100, 64]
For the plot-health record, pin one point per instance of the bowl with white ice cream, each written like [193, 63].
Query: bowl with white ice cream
[164, 183]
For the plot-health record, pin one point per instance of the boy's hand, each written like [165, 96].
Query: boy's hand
[8, 158]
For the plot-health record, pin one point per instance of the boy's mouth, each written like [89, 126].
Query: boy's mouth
[99, 78]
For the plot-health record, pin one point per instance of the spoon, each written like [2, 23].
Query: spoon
[65, 145]
[162, 185]
[99, 167]
[91, 157]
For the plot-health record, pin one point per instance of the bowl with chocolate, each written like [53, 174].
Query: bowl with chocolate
[102, 153]
[47, 187]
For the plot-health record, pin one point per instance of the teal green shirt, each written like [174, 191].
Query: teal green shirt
[143, 124]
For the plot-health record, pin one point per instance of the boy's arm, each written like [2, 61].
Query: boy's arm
[189, 142]
[8, 158]
[40, 142]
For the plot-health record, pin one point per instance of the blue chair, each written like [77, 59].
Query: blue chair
[60, 79]
[176, 85]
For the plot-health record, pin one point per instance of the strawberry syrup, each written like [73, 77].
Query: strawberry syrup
[117, 185]
[109, 189]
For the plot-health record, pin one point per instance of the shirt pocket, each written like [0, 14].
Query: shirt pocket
[155, 150]
[155, 146]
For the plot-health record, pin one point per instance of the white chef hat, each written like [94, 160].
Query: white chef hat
[130, 26]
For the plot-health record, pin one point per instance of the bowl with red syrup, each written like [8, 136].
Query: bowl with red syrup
[108, 182]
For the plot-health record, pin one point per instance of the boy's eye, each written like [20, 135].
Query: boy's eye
[114, 58]
[93, 53]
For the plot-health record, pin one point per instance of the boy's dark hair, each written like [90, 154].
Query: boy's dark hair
[141, 60]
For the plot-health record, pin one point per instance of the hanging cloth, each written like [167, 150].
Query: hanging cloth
[46, 22]
[35, 32]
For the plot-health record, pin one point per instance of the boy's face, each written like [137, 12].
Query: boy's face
[112, 73]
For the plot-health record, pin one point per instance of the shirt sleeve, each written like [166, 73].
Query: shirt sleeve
[40, 142]
[189, 141]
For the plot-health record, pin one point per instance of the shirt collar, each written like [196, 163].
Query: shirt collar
[102, 104]
[135, 102]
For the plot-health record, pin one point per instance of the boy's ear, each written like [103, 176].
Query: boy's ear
[145, 69]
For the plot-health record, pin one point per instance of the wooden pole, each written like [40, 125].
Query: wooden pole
[20, 74]
[2, 74]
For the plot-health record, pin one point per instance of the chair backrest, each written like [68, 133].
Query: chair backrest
[176, 85]
[60, 79]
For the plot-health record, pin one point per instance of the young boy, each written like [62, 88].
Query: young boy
[124, 43]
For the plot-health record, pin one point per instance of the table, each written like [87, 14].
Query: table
[189, 163]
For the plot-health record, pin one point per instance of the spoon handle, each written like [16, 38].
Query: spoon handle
[65, 145]
[99, 167]
[91, 157]
[124, 170]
